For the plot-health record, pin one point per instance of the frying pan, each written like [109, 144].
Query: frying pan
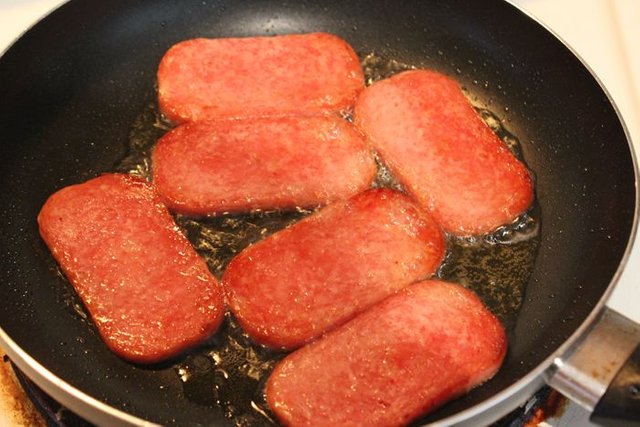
[73, 87]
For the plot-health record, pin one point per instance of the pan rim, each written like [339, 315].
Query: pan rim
[63, 392]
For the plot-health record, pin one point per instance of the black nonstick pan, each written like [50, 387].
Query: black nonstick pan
[78, 98]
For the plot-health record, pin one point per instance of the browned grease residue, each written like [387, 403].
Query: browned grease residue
[15, 406]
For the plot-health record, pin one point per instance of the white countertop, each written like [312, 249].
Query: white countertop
[604, 33]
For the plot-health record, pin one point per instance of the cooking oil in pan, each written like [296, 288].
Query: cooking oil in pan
[376, 67]
[230, 375]
[230, 370]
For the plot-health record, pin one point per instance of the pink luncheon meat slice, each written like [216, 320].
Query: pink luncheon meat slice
[438, 147]
[403, 357]
[207, 168]
[258, 76]
[304, 280]
[147, 291]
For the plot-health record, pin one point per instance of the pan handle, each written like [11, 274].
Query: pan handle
[601, 372]
[621, 401]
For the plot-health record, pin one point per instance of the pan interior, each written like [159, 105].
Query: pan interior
[74, 87]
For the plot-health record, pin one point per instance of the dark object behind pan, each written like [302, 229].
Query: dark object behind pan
[72, 87]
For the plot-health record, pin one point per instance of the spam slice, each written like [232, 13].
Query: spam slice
[402, 358]
[302, 281]
[147, 291]
[258, 76]
[435, 143]
[206, 168]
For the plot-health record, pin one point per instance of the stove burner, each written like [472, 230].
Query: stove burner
[544, 404]
[54, 414]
